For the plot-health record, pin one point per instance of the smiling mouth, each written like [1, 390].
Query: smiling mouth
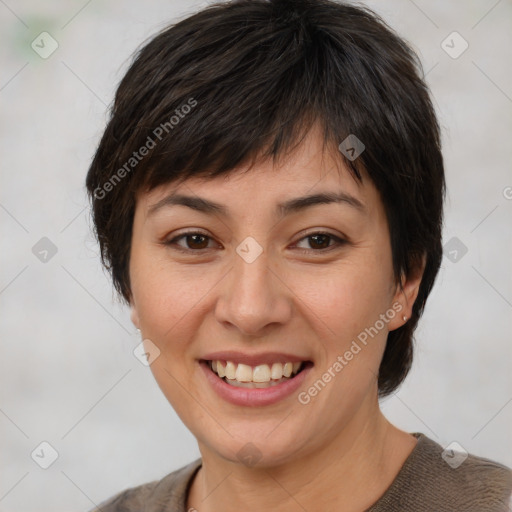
[260, 376]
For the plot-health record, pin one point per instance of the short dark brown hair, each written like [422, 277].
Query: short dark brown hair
[246, 79]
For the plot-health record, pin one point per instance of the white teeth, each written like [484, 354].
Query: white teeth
[262, 374]
[243, 373]
[230, 370]
[277, 371]
[255, 384]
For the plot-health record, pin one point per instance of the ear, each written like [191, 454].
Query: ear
[405, 296]
[134, 315]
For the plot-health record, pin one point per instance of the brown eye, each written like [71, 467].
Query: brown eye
[197, 241]
[194, 241]
[319, 242]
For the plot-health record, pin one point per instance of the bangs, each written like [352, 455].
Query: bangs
[244, 98]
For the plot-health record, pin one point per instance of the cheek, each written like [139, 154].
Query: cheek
[345, 297]
[344, 302]
[343, 308]
[168, 298]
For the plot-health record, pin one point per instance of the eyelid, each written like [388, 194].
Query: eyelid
[173, 241]
[338, 241]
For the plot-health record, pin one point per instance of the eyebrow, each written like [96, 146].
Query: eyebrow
[283, 209]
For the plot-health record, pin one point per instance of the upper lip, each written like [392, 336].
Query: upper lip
[253, 359]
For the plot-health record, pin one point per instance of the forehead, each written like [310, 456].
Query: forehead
[311, 169]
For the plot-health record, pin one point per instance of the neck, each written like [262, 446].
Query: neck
[349, 473]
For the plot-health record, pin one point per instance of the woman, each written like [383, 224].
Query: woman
[268, 196]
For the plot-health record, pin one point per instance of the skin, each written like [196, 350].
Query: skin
[338, 450]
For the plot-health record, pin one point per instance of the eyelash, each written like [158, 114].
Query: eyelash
[338, 242]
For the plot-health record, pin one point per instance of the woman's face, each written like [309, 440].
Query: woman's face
[256, 281]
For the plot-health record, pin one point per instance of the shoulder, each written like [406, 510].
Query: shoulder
[435, 478]
[154, 496]
[478, 483]
[464, 471]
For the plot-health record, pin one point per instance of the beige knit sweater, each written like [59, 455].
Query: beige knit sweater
[427, 482]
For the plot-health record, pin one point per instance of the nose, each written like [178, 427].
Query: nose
[253, 297]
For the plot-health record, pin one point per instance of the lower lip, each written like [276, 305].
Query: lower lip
[253, 396]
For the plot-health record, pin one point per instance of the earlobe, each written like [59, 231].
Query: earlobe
[406, 295]
[134, 316]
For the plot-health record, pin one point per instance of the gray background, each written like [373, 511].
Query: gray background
[68, 375]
